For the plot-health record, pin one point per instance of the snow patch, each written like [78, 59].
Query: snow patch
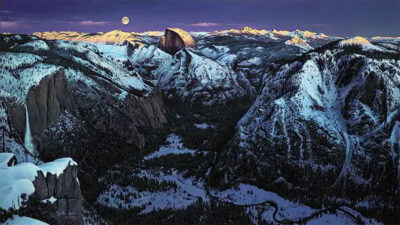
[5, 159]
[58, 166]
[49, 200]
[23, 220]
[174, 146]
[204, 126]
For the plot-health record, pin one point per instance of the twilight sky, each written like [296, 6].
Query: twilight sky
[333, 17]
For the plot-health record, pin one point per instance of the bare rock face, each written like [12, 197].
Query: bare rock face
[111, 116]
[175, 39]
[65, 188]
[16, 113]
[47, 101]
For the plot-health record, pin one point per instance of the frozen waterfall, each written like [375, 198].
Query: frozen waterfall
[28, 136]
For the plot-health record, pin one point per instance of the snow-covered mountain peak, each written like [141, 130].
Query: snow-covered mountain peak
[385, 39]
[358, 40]
[302, 34]
[112, 37]
[297, 41]
[245, 30]
[363, 43]
[281, 32]
[186, 37]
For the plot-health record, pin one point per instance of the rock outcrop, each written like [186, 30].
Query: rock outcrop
[175, 39]
[63, 194]
[7, 160]
[49, 191]
[15, 110]
[48, 100]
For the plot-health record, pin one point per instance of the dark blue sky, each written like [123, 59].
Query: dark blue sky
[333, 17]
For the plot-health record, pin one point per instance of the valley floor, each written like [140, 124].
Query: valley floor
[168, 194]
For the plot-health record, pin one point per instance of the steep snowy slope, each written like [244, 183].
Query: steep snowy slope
[251, 51]
[192, 77]
[296, 41]
[324, 122]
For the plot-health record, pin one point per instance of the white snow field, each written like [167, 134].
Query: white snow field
[187, 192]
[23, 220]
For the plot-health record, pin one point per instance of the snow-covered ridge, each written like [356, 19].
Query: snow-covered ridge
[119, 37]
[244, 30]
[189, 66]
[25, 69]
[29, 69]
[207, 75]
[273, 33]
[379, 38]
[17, 180]
[360, 41]
[297, 41]
[112, 37]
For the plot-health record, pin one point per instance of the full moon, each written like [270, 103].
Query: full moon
[125, 20]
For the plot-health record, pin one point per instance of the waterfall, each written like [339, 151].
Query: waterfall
[28, 136]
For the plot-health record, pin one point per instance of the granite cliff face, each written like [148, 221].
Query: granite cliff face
[175, 39]
[48, 100]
